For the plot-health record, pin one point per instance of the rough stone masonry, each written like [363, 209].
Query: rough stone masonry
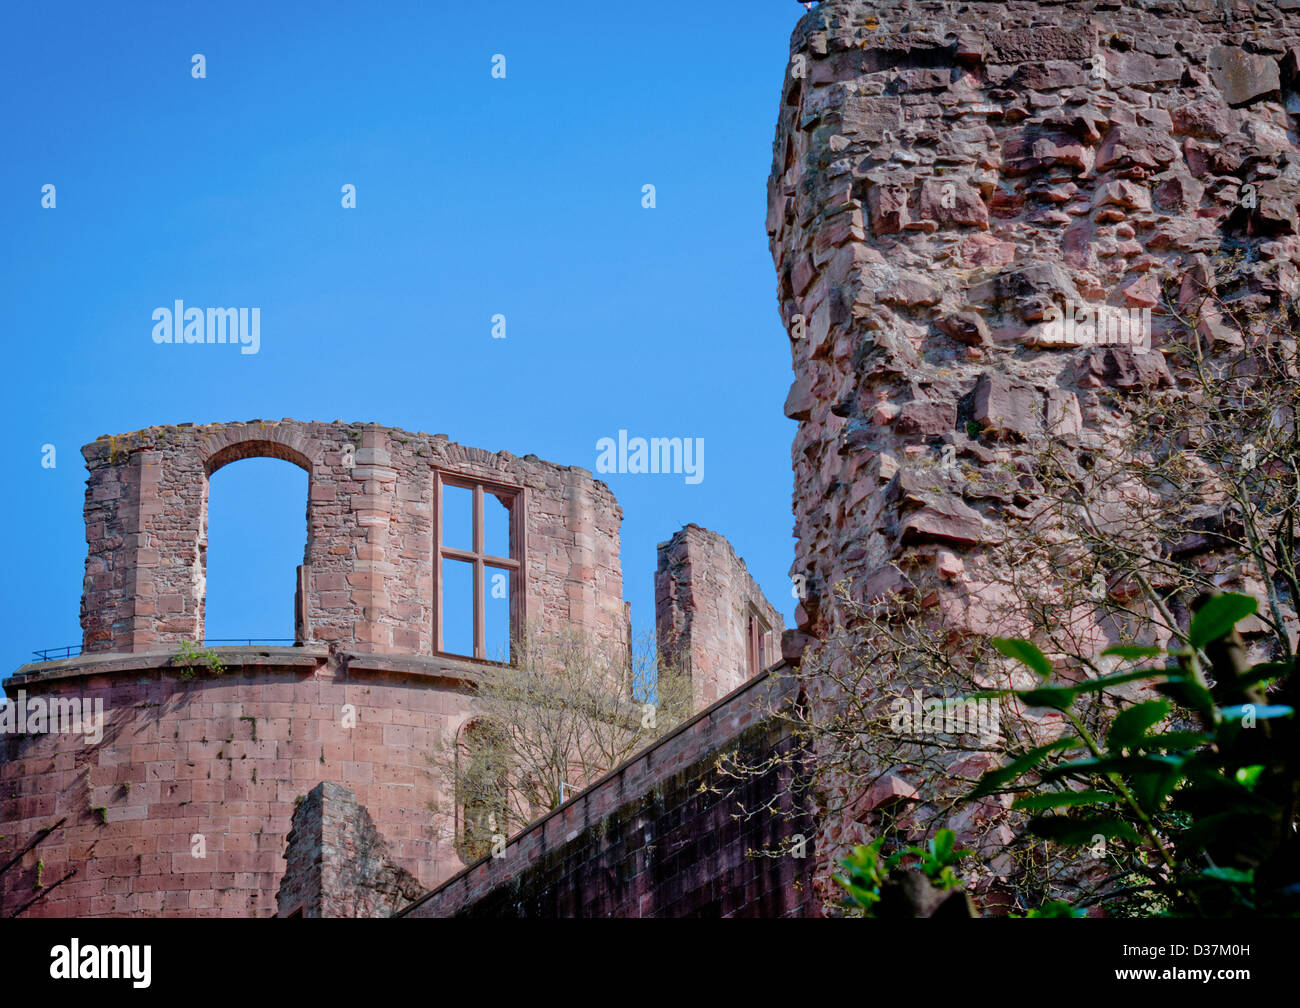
[945, 176]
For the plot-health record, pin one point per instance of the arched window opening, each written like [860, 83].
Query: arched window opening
[482, 780]
[253, 552]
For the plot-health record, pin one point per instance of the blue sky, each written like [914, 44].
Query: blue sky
[475, 196]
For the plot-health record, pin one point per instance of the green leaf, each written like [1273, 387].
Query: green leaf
[1075, 832]
[1055, 908]
[1185, 691]
[1062, 799]
[1106, 682]
[1056, 697]
[1233, 875]
[1126, 765]
[1022, 764]
[1218, 616]
[1133, 722]
[1131, 652]
[1173, 740]
[1265, 672]
[1025, 653]
[1153, 784]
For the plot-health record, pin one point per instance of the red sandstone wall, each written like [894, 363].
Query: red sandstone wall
[369, 533]
[703, 595]
[225, 757]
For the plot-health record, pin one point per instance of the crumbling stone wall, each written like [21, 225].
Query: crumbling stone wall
[337, 863]
[944, 174]
[368, 564]
[705, 600]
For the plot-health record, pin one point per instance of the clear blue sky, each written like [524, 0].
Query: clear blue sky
[475, 196]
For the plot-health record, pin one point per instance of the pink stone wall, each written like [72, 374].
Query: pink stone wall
[369, 550]
[704, 598]
[225, 757]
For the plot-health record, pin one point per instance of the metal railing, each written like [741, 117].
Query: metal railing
[53, 654]
[73, 650]
[248, 641]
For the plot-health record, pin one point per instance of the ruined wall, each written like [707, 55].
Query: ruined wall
[362, 701]
[946, 174]
[369, 562]
[704, 601]
[653, 839]
[337, 863]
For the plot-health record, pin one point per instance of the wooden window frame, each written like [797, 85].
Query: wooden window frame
[479, 559]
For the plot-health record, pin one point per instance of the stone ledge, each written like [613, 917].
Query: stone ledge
[113, 662]
[424, 666]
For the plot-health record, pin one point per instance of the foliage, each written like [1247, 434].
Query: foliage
[865, 874]
[190, 657]
[1193, 789]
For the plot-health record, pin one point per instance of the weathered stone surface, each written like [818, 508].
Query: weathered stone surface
[870, 117]
[1003, 406]
[1204, 118]
[965, 327]
[928, 419]
[952, 202]
[1036, 45]
[1141, 68]
[1125, 368]
[705, 600]
[1177, 192]
[888, 204]
[1242, 76]
[947, 519]
[1135, 146]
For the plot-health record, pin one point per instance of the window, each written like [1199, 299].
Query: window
[756, 649]
[478, 567]
[252, 554]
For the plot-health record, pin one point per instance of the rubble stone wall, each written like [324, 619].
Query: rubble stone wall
[947, 178]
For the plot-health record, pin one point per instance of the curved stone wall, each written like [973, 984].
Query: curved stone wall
[181, 808]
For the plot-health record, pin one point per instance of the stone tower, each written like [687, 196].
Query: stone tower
[947, 178]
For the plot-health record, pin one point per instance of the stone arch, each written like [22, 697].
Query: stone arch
[473, 827]
[256, 448]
